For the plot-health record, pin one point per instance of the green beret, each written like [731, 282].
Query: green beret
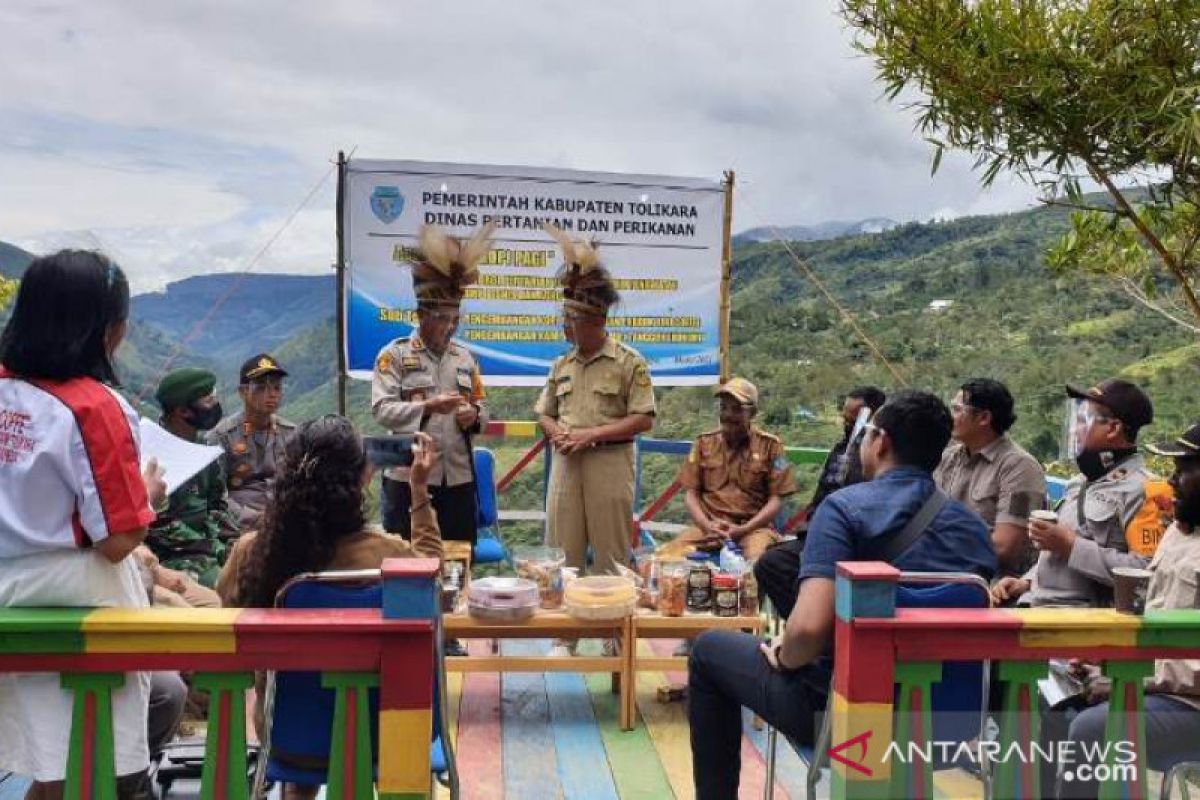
[183, 386]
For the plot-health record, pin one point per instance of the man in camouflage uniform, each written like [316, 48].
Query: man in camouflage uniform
[1112, 515]
[425, 382]
[735, 477]
[254, 439]
[189, 536]
[597, 398]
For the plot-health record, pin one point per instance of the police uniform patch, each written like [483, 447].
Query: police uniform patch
[383, 363]
[641, 375]
[239, 447]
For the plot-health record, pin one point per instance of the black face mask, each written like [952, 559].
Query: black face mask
[1095, 464]
[204, 419]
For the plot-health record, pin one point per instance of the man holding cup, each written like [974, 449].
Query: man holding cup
[1111, 514]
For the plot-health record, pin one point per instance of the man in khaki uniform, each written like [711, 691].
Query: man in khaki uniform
[427, 383]
[1112, 514]
[254, 439]
[597, 398]
[990, 473]
[735, 478]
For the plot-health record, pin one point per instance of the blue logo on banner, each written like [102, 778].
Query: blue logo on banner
[387, 203]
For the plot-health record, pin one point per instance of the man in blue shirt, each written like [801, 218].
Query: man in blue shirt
[786, 681]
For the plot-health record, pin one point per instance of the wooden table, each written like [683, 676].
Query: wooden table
[549, 625]
[560, 625]
[652, 625]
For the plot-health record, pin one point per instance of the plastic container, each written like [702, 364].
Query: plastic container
[672, 588]
[543, 566]
[500, 599]
[725, 595]
[699, 583]
[600, 598]
[748, 597]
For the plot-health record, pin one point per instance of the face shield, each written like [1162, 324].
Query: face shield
[1082, 416]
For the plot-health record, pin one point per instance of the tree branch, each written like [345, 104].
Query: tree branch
[1130, 288]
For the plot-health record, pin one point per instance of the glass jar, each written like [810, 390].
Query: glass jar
[699, 584]
[672, 588]
[725, 595]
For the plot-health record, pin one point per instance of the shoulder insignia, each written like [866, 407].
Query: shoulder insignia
[415, 344]
[239, 447]
[1119, 473]
[641, 375]
[384, 362]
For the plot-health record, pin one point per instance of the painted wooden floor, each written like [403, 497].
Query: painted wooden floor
[534, 736]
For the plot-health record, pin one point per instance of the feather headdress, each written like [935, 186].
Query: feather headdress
[587, 285]
[444, 265]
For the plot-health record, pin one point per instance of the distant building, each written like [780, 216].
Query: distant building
[939, 305]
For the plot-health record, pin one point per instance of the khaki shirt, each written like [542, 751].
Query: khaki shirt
[1099, 512]
[1173, 585]
[735, 485]
[611, 385]
[1001, 483]
[250, 461]
[407, 372]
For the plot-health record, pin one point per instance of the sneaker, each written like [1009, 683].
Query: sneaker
[455, 647]
[610, 648]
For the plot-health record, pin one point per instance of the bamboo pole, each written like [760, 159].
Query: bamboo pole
[726, 277]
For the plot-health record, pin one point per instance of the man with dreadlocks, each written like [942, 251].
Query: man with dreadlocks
[425, 382]
[597, 398]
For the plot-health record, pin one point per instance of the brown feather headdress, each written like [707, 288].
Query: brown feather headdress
[445, 265]
[587, 285]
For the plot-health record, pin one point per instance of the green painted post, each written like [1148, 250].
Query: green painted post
[1019, 677]
[357, 763]
[91, 734]
[226, 739]
[915, 675]
[1127, 690]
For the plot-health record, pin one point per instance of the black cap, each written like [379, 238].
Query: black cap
[1125, 400]
[1186, 445]
[258, 366]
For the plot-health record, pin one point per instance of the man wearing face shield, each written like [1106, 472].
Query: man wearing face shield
[735, 478]
[1109, 516]
[191, 534]
[425, 382]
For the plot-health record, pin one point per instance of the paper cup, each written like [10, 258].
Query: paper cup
[1043, 516]
[1129, 589]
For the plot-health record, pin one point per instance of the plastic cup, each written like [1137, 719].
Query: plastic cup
[1129, 589]
[1043, 516]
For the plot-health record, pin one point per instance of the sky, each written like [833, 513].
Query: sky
[182, 137]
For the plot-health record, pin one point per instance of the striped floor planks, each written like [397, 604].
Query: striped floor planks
[530, 766]
[480, 764]
[579, 748]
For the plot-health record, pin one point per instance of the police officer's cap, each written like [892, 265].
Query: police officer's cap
[259, 366]
[1186, 445]
[184, 386]
[1125, 400]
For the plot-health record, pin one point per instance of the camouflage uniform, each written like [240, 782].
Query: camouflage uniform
[249, 463]
[192, 533]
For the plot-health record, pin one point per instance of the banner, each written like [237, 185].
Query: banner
[661, 238]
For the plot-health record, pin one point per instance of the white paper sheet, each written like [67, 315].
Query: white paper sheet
[181, 460]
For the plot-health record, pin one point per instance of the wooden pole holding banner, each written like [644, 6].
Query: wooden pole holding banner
[726, 276]
[341, 284]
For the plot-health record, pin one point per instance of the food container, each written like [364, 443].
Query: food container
[543, 566]
[500, 599]
[600, 597]
[699, 583]
[725, 595]
[748, 598]
[672, 588]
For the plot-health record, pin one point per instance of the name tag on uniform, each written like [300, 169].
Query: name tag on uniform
[411, 362]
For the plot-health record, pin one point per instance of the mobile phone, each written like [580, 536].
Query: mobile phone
[390, 451]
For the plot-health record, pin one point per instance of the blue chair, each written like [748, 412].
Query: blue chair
[299, 710]
[959, 701]
[488, 547]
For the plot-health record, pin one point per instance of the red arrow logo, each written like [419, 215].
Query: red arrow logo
[835, 753]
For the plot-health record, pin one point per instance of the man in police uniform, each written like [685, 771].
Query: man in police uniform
[190, 534]
[254, 439]
[597, 398]
[426, 382]
[1113, 513]
[735, 478]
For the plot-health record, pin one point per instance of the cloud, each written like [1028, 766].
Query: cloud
[184, 133]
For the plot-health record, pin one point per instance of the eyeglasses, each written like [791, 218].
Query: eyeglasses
[262, 385]
[962, 408]
[872, 428]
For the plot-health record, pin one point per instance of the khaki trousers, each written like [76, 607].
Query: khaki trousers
[590, 502]
[753, 544]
